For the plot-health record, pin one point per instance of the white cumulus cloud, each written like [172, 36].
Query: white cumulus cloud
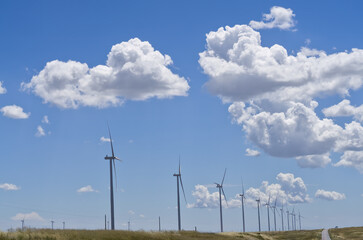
[205, 199]
[278, 17]
[240, 69]
[272, 94]
[9, 187]
[351, 159]
[40, 132]
[134, 71]
[87, 188]
[13, 111]
[344, 109]
[329, 195]
[252, 153]
[288, 190]
[27, 216]
[2, 88]
[298, 132]
[45, 119]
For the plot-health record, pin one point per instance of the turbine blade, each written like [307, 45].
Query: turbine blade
[269, 196]
[275, 201]
[181, 183]
[243, 189]
[225, 198]
[223, 176]
[179, 164]
[109, 133]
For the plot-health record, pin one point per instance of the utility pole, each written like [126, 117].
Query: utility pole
[159, 225]
[105, 222]
[52, 223]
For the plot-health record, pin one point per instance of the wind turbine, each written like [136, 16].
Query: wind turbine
[300, 220]
[220, 187]
[293, 219]
[178, 177]
[243, 207]
[112, 162]
[274, 208]
[258, 210]
[268, 211]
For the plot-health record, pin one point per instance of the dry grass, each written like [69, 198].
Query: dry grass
[288, 235]
[351, 233]
[46, 234]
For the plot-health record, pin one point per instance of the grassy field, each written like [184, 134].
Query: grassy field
[47, 234]
[346, 233]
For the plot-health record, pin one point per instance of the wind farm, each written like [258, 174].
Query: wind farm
[181, 119]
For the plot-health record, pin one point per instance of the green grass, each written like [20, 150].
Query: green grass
[351, 233]
[46, 234]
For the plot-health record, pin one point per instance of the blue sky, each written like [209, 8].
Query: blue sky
[208, 108]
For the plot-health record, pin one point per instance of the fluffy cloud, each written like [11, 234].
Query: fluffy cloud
[287, 190]
[351, 139]
[344, 109]
[2, 88]
[313, 161]
[278, 17]
[352, 159]
[134, 70]
[272, 94]
[205, 199]
[240, 69]
[104, 139]
[298, 132]
[45, 119]
[9, 187]
[40, 132]
[330, 196]
[87, 188]
[27, 216]
[252, 153]
[13, 111]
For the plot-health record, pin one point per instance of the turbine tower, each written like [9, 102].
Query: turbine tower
[300, 220]
[179, 179]
[288, 221]
[274, 209]
[268, 212]
[282, 217]
[293, 222]
[220, 187]
[258, 210]
[112, 162]
[243, 207]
